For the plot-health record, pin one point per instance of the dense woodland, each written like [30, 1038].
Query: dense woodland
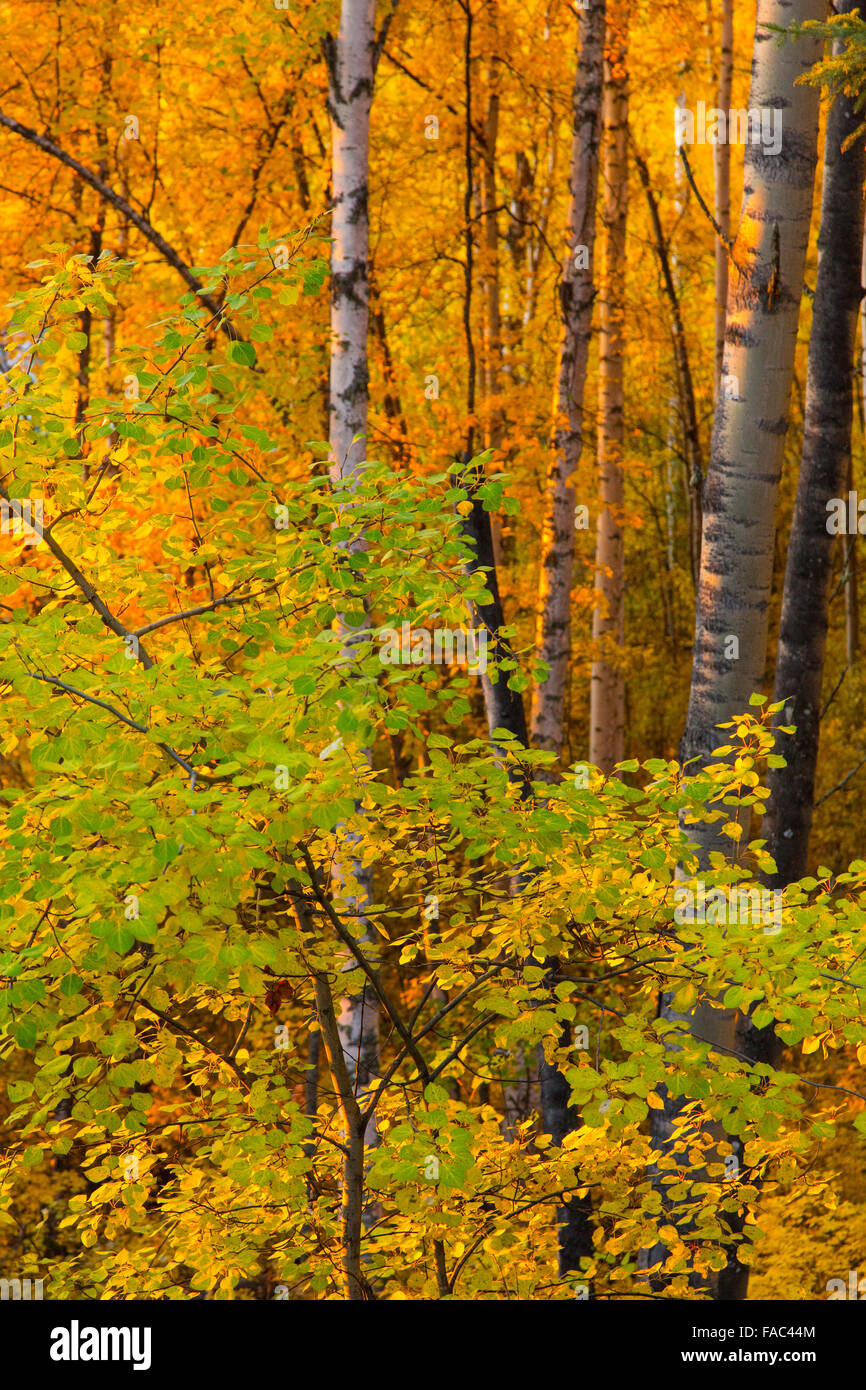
[431, 755]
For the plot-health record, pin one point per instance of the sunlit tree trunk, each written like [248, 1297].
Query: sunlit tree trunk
[607, 686]
[553, 621]
[751, 419]
[538, 233]
[489, 247]
[351, 66]
[722, 172]
[350, 63]
[745, 463]
[824, 474]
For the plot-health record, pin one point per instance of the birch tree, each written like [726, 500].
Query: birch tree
[351, 60]
[745, 463]
[722, 182]
[824, 475]
[350, 91]
[751, 420]
[553, 622]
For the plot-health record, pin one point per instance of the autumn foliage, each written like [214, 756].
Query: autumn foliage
[298, 956]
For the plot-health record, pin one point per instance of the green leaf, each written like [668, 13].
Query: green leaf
[242, 353]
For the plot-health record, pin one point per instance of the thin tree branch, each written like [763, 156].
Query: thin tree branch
[202, 1042]
[131, 723]
[87, 589]
[104, 190]
[726, 241]
[382, 36]
[372, 975]
[227, 599]
[839, 785]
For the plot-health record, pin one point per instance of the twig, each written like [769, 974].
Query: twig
[831, 697]
[105, 191]
[726, 241]
[244, 1026]
[131, 723]
[840, 785]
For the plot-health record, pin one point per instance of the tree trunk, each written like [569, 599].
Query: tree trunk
[357, 1289]
[351, 60]
[722, 172]
[494, 425]
[751, 420]
[852, 593]
[607, 686]
[824, 474]
[538, 233]
[503, 707]
[350, 64]
[553, 623]
[745, 463]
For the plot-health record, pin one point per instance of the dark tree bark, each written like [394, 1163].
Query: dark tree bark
[503, 707]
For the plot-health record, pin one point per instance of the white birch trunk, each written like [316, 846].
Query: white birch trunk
[351, 89]
[722, 171]
[741, 489]
[751, 419]
[351, 65]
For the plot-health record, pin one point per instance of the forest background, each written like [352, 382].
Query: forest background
[280, 388]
